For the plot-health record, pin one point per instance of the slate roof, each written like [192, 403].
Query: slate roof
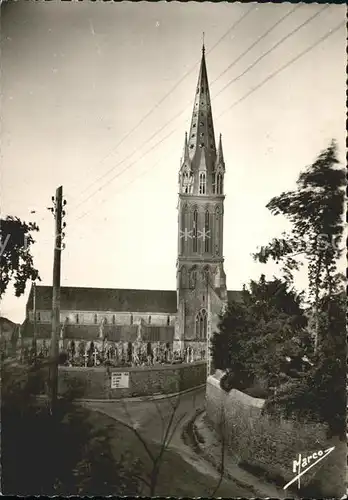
[112, 299]
[106, 299]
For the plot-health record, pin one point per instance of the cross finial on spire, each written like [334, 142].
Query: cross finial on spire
[203, 47]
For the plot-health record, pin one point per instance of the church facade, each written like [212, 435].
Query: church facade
[181, 318]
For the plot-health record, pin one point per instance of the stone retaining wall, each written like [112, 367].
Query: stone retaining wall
[268, 446]
[95, 382]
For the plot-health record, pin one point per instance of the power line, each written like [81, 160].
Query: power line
[135, 178]
[126, 168]
[184, 109]
[181, 112]
[282, 68]
[169, 93]
[261, 37]
[272, 75]
[276, 45]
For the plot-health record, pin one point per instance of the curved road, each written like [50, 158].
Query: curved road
[152, 418]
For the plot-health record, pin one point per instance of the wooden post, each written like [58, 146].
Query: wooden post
[209, 318]
[34, 318]
[56, 298]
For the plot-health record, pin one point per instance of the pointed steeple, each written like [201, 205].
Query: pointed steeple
[185, 156]
[202, 129]
[220, 155]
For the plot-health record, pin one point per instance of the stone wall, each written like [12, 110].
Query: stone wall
[269, 446]
[143, 381]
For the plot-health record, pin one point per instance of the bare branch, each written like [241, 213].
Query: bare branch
[141, 439]
[175, 428]
[163, 445]
[162, 417]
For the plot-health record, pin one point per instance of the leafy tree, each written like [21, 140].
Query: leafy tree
[16, 260]
[321, 394]
[258, 334]
[315, 210]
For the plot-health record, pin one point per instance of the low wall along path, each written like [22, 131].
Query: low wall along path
[117, 383]
[270, 446]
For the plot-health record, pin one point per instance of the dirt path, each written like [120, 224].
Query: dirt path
[183, 472]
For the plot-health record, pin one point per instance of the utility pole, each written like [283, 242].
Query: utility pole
[58, 213]
[34, 309]
[34, 318]
[208, 329]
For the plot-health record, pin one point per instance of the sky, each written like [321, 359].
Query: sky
[97, 97]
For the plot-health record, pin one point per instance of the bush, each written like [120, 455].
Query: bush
[227, 381]
[63, 454]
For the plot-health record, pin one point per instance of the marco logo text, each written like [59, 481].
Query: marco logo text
[303, 464]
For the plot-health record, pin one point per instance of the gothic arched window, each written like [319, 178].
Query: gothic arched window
[131, 319]
[206, 232]
[219, 183]
[190, 183]
[217, 229]
[95, 319]
[202, 183]
[195, 229]
[193, 277]
[77, 318]
[213, 182]
[183, 229]
[206, 275]
[185, 181]
[183, 277]
[113, 319]
[201, 324]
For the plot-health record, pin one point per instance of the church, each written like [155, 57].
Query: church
[182, 318]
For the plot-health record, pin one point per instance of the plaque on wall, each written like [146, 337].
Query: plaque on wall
[119, 380]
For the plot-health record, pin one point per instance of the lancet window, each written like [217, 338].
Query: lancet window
[193, 277]
[187, 182]
[219, 183]
[195, 229]
[202, 183]
[206, 232]
[201, 324]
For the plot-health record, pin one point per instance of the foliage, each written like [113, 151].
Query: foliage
[315, 211]
[62, 454]
[258, 334]
[321, 394]
[16, 260]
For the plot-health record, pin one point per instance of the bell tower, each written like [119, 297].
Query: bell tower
[200, 272]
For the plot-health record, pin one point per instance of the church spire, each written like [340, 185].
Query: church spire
[202, 129]
[220, 155]
[186, 156]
